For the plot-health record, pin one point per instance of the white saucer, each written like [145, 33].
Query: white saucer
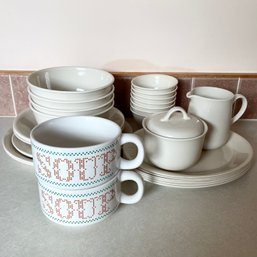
[12, 152]
[216, 167]
[21, 147]
[25, 122]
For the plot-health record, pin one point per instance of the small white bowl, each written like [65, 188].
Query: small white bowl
[138, 117]
[154, 83]
[151, 105]
[153, 99]
[67, 105]
[70, 83]
[154, 94]
[149, 109]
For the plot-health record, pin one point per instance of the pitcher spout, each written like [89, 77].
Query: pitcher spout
[189, 94]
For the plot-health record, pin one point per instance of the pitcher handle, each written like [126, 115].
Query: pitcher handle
[242, 109]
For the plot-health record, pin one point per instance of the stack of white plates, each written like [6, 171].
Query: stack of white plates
[16, 141]
[216, 167]
[152, 93]
[69, 91]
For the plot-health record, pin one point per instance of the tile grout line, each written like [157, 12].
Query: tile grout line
[13, 101]
[238, 85]
[237, 91]
[192, 83]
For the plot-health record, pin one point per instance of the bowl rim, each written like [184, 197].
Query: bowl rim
[145, 103]
[54, 116]
[65, 91]
[70, 111]
[58, 101]
[153, 76]
[161, 109]
[153, 93]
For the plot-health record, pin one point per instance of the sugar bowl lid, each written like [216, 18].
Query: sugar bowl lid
[175, 123]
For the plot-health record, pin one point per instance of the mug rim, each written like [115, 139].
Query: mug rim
[35, 142]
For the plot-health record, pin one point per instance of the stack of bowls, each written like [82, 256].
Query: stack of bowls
[152, 93]
[70, 91]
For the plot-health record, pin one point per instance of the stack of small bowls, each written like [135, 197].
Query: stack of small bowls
[152, 93]
[70, 91]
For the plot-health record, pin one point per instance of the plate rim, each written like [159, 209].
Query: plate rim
[18, 148]
[27, 113]
[177, 177]
[12, 152]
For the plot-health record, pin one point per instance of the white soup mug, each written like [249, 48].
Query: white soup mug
[80, 151]
[88, 206]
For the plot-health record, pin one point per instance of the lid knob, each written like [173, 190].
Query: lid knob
[176, 123]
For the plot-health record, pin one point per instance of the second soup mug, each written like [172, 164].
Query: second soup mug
[88, 206]
[80, 151]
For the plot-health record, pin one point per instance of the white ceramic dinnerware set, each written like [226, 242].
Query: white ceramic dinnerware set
[69, 91]
[72, 135]
[152, 93]
[194, 148]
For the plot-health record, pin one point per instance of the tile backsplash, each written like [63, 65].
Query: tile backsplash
[14, 96]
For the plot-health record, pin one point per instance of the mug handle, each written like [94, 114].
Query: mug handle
[137, 161]
[136, 197]
[242, 109]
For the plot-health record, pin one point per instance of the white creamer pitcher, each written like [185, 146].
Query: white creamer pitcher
[214, 105]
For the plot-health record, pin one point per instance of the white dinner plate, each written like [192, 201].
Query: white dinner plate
[12, 152]
[25, 122]
[215, 167]
[21, 147]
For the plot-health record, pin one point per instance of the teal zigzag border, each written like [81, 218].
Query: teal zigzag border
[78, 195]
[65, 184]
[105, 148]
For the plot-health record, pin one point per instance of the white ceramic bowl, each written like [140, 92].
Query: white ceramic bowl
[151, 101]
[70, 83]
[41, 117]
[138, 117]
[148, 109]
[144, 104]
[154, 94]
[69, 105]
[172, 153]
[154, 83]
[58, 112]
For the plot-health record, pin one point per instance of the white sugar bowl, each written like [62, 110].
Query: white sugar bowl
[174, 140]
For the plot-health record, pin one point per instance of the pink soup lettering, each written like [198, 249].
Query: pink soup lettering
[65, 169]
[67, 209]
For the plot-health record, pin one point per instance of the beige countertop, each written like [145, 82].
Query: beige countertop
[215, 221]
